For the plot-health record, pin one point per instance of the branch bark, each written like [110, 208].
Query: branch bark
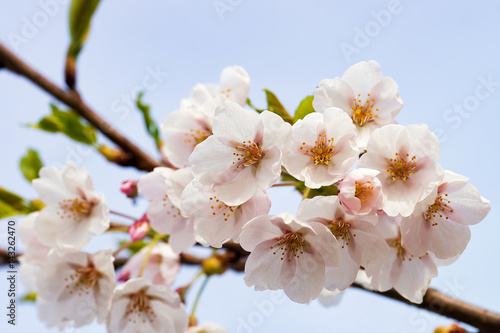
[132, 155]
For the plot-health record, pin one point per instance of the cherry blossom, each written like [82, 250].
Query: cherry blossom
[288, 253]
[323, 148]
[244, 154]
[408, 273]
[440, 223]
[360, 242]
[164, 187]
[76, 287]
[161, 266]
[216, 222]
[74, 211]
[140, 306]
[35, 253]
[370, 99]
[406, 158]
[360, 192]
[139, 229]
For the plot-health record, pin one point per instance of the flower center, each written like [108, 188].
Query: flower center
[218, 206]
[340, 229]
[76, 209]
[82, 280]
[400, 167]
[248, 153]
[139, 309]
[290, 245]
[362, 111]
[196, 136]
[322, 151]
[363, 191]
[438, 208]
[401, 251]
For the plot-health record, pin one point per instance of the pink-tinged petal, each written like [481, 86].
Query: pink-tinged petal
[337, 123]
[320, 209]
[239, 189]
[412, 278]
[257, 231]
[182, 235]
[50, 186]
[266, 270]
[297, 164]
[269, 168]
[443, 237]
[363, 76]
[325, 243]
[234, 80]
[176, 182]
[212, 162]
[152, 184]
[77, 179]
[343, 276]
[380, 272]
[309, 277]
[387, 100]
[367, 244]
[277, 132]
[234, 124]
[467, 204]
[333, 92]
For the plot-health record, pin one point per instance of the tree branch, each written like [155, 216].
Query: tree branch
[132, 155]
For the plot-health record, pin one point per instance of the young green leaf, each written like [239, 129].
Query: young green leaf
[12, 204]
[274, 105]
[305, 107]
[30, 165]
[151, 125]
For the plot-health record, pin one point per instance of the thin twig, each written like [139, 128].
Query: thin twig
[132, 155]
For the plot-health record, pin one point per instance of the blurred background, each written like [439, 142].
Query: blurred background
[444, 57]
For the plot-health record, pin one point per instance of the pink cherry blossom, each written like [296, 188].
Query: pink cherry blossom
[164, 187]
[139, 229]
[74, 211]
[360, 192]
[76, 287]
[216, 222]
[440, 223]
[370, 99]
[244, 154]
[140, 306]
[323, 148]
[288, 253]
[129, 188]
[406, 158]
[161, 267]
[360, 242]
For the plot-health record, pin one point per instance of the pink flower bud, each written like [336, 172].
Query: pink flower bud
[361, 192]
[129, 187]
[139, 229]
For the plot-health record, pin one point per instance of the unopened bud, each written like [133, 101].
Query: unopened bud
[129, 187]
[450, 329]
[214, 265]
[139, 229]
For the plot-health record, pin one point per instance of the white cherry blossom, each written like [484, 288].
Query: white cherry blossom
[76, 287]
[244, 154]
[323, 148]
[406, 158]
[370, 99]
[216, 222]
[140, 306]
[288, 253]
[164, 187]
[440, 223]
[360, 242]
[161, 267]
[360, 192]
[74, 211]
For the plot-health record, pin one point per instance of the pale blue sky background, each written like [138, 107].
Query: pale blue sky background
[437, 53]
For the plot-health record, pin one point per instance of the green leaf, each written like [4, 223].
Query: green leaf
[70, 124]
[30, 165]
[80, 15]
[274, 105]
[249, 102]
[135, 247]
[29, 297]
[12, 204]
[305, 107]
[151, 125]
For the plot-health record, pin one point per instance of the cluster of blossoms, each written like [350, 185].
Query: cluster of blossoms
[396, 214]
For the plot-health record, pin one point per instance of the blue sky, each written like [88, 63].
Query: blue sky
[444, 57]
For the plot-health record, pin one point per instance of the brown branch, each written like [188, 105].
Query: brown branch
[434, 300]
[131, 154]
